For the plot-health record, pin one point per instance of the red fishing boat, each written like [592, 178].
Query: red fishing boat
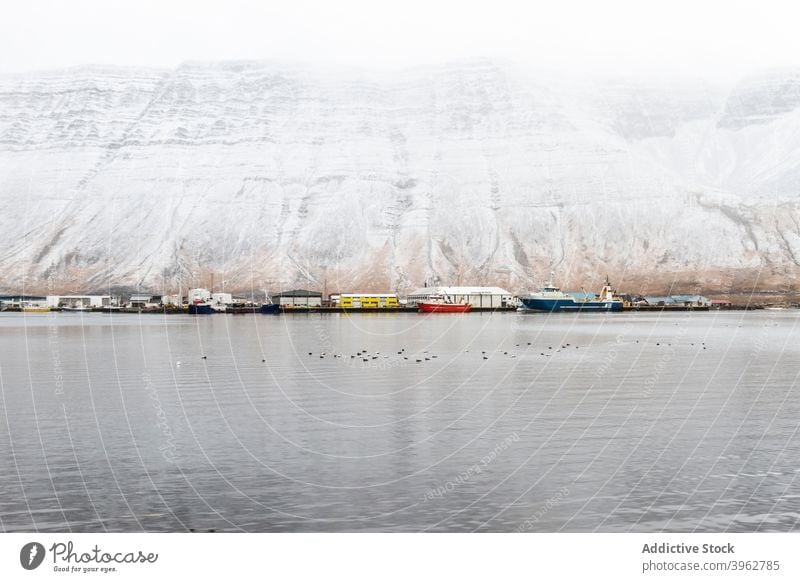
[438, 304]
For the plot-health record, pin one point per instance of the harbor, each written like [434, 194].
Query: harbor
[432, 300]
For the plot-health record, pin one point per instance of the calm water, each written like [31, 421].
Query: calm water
[620, 422]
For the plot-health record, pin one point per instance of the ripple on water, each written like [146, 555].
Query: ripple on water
[640, 427]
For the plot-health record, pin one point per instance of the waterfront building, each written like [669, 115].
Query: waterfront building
[365, 300]
[298, 298]
[172, 300]
[144, 301]
[678, 300]
[148, 301]
[480, 297]
[79, 301]
[22, 301]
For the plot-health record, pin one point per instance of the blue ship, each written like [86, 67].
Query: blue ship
[551, 298]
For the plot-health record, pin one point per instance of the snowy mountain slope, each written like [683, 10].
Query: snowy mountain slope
[264, 175]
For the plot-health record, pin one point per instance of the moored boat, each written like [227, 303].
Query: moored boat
[551, 298]
[269, 308]
[438, 304]
[205, 308]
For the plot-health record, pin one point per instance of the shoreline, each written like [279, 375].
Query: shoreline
[393, 310]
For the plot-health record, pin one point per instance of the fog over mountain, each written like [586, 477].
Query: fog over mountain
[269, 175]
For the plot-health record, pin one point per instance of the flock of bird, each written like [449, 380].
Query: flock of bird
[366, 356]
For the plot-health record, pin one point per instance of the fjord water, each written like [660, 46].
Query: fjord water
[616, 422]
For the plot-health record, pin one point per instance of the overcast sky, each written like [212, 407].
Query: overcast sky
[615, 35]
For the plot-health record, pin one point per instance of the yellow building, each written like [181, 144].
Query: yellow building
[367, 300]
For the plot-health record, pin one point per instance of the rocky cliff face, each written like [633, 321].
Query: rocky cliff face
[262, 175]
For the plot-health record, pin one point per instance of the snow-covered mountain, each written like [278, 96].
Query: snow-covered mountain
[268, 175]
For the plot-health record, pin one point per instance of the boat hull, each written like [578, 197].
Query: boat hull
[558, 305]
[444, 307]
[269, 308]
[201, 309]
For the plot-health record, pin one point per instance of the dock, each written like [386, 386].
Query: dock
[666, 308]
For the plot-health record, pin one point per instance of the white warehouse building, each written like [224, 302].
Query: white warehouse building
[78, 301]
[480, 297]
